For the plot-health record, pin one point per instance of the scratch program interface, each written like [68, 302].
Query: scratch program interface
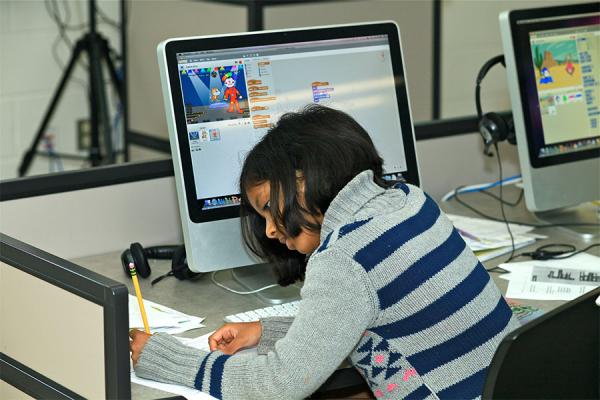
[566, 63]
[232, 97]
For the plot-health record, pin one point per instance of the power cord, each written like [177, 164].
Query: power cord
[511, 204]
[512, 239]
[492, 218]
[214, 280]
[554, 251]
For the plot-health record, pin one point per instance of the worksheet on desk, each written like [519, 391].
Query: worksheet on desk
[553, 279]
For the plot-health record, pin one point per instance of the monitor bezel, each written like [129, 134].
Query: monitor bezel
[524, 64]
[251, 39]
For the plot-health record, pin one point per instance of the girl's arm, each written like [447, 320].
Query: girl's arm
[337, 306]
[273, 329]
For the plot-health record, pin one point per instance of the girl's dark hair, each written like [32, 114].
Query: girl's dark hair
[328, 148]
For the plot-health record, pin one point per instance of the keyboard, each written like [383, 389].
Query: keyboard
[279, 310]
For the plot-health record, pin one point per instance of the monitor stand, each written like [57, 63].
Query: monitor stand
[586, 213]
[254, 277]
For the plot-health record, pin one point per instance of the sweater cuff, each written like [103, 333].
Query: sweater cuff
[166, 359]
[273, 329]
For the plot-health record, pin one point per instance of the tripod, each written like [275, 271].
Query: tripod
[97, 49]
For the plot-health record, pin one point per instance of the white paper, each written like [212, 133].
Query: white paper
[188, 393]
[545, 291]
[485, 228]
[481, 234]
[161, 318]
[484, 255]
[541, 280]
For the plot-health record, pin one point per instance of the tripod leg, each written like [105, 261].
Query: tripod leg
[28, 156]
[118, 86]
[99, 108]
[117, 83]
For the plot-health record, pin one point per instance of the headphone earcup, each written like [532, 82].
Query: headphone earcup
[139, 259]
[179, 266]
[126, 258]
[493, 128]
[511, 136]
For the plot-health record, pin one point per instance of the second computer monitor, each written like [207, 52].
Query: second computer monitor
[553, 64]
[222, 94]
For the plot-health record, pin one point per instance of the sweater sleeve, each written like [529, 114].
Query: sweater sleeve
[273, 329]
[166, 359]
[337, 306]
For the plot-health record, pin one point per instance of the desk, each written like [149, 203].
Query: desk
[203, 298]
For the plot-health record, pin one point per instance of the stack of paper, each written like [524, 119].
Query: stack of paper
[489, 239]
[553, 279]
[161, 318]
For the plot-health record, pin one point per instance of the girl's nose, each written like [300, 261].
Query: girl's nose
[270, 229]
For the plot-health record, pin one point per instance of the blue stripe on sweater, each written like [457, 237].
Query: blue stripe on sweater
[200, 374]
[346, 229]
[419, 393]
[216, 376]
[388, 242]
[401, 186]
[325, 243]
[475, 336]
[421, 271]
[440, 309]
[468, 388]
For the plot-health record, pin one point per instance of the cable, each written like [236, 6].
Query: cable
[554, 251]
[513, 204]
[106, 19]
[512, 239]
[481, 187]
[55, 14]
[484, 215]
[212, 278]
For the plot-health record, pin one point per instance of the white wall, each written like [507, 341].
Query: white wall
[96, 221]
[29, 75]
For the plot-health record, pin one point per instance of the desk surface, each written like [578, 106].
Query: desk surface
[203, 298]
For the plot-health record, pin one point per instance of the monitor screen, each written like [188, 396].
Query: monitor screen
[560, 65]
[228, 91]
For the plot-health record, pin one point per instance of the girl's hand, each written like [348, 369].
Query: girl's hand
[137, 343]
[235, 336]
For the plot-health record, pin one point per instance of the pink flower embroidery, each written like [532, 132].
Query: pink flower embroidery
[408, 373]
[378, 393]
[391, 387]
[379, 358]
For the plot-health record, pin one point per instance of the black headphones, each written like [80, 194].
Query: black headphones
[139, 256]
[493, 127]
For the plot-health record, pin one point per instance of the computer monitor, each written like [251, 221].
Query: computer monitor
[222, 93]
[64, 328]
[553, 62]
[555, 356]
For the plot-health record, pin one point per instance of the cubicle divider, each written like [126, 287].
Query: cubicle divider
[64, 328]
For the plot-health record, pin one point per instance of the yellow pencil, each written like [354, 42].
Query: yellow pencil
[138, 293]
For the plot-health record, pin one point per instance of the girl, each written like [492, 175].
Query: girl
[387, 280]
